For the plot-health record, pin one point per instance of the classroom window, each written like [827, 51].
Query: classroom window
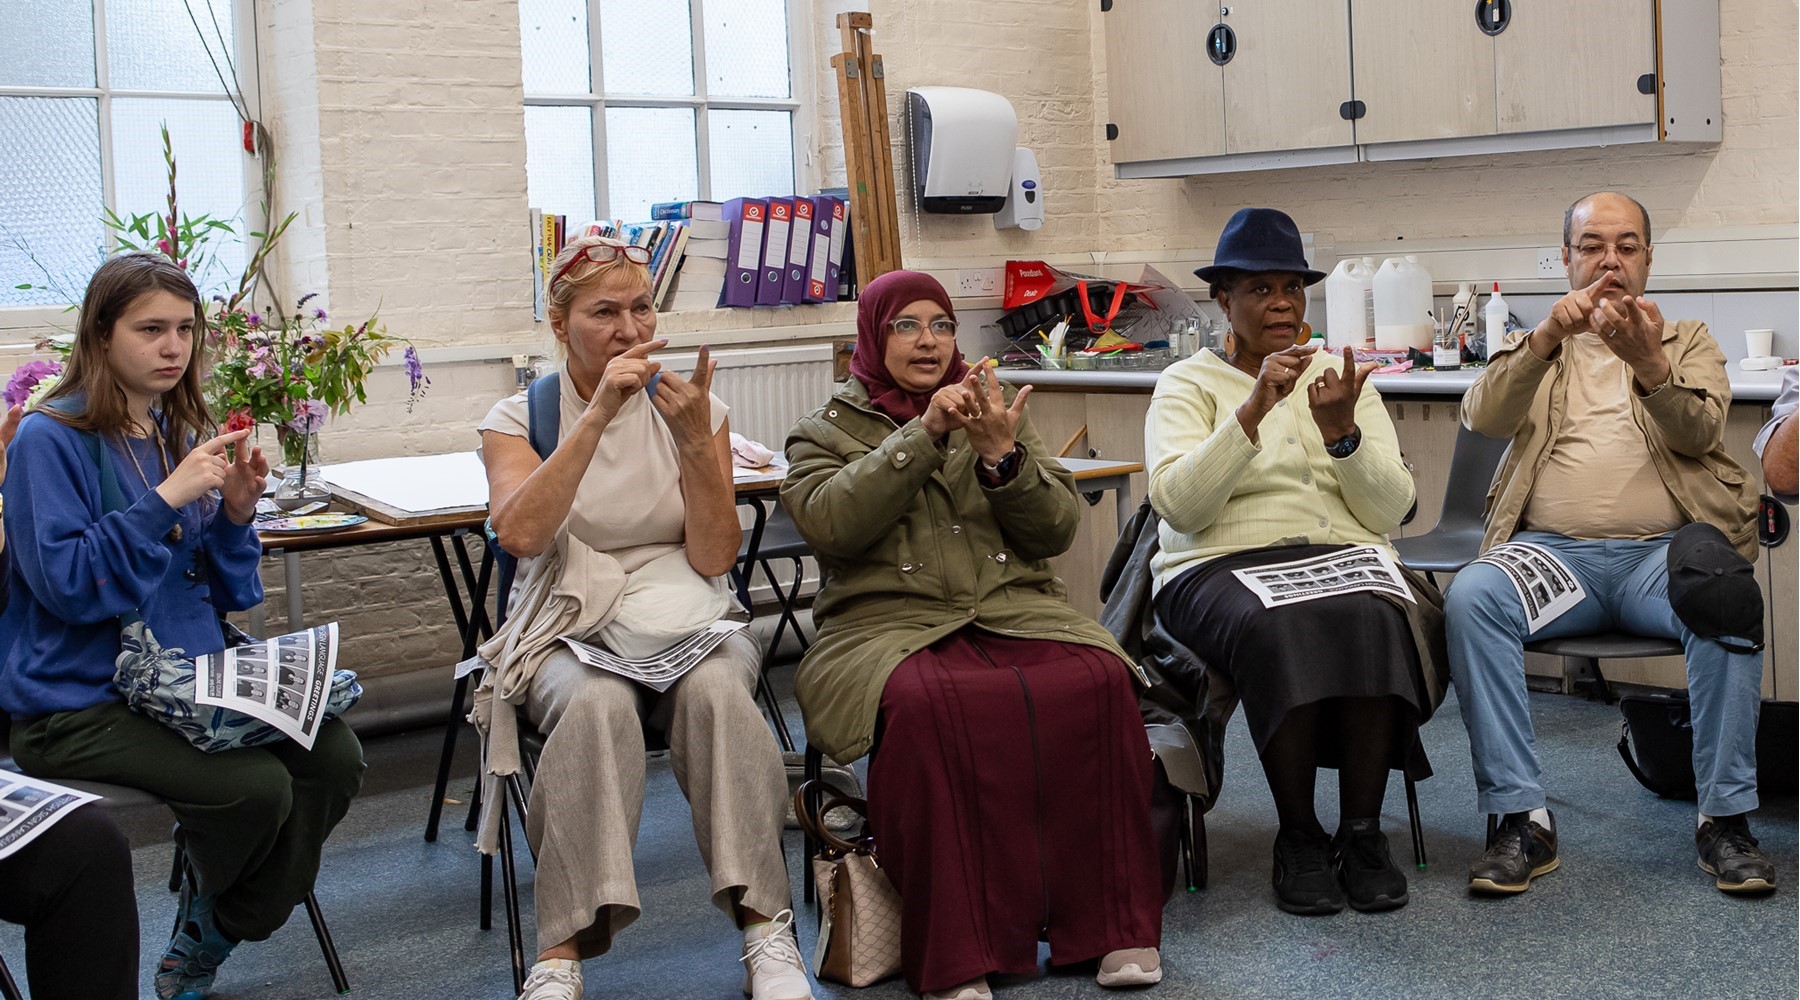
[632, 102]
[85, 86]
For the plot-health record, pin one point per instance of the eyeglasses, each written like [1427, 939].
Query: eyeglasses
[912, 329]
[1594, 249]
[603, 253]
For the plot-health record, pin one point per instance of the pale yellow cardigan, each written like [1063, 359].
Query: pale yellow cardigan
[1218, 493]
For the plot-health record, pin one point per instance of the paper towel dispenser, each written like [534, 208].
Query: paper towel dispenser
[962, 148]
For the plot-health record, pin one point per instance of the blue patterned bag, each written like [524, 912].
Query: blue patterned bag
[159, 682]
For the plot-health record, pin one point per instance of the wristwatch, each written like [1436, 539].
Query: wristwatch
[1345, 446]
[1003, 469]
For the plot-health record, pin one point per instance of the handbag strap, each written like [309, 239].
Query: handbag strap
[812, 820]
[1630, 761]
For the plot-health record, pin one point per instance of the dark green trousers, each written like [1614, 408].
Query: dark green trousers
[254, 820]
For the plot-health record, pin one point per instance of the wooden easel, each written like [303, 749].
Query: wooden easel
[868, 155]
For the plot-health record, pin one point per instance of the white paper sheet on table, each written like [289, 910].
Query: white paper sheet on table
[416, 482]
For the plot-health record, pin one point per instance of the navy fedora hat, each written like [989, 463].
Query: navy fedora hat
[1259, 239]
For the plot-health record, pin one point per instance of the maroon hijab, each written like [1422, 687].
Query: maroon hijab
[881, 301]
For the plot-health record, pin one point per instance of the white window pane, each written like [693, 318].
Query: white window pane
[752, 153]
[209, 180]
[647, 48]
[49, 197]
[746, 48]
[154, 45]
[47, 43]
[554, 35]
[559, 161]
[650, 157]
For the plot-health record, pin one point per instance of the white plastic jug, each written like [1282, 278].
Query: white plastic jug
[1350, 305]
[1402, 305]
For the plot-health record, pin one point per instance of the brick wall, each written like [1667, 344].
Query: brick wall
[399, 133]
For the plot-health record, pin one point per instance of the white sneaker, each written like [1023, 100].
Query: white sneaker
[553, 979]
[974, 989]
[772, 966]
[1130, 967]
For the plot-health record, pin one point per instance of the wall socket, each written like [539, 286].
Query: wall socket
[977, 281]
[1549, 262]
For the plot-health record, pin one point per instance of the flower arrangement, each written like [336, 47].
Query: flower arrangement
[289, 371]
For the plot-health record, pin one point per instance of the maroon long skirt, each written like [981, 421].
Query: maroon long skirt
[1009, 796]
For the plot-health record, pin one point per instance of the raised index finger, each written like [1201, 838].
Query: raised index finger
[1601, 284]
[217, 445]
[702, 375]
[647, 348]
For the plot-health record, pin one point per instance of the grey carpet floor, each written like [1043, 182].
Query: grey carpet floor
[1628, 915]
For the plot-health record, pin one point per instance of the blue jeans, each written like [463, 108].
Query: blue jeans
[1627, 585]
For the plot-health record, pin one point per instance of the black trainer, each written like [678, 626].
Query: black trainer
[1519, 851]
[1371, 880]
[1730, 855]
[1305, 882]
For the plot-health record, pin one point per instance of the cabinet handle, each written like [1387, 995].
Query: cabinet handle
[1221, 44]
[1646, 84]
[1352, 110]
[1492, 16]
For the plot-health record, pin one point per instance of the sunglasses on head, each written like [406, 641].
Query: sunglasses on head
[603, 253]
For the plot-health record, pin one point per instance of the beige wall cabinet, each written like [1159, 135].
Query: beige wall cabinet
[1424, 79]
[1177, 111]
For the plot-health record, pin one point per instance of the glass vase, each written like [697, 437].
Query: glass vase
[301, 484]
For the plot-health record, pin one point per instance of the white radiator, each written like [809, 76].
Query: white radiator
[768, 388]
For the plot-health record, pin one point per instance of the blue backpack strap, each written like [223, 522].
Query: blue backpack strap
[543, 402]
[543, 410]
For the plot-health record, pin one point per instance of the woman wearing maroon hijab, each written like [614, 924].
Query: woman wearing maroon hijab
[1009, 788]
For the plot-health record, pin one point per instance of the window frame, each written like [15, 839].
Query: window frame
[254, 216]
[799, 99]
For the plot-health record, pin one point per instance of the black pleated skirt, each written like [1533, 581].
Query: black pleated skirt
[1348, 646]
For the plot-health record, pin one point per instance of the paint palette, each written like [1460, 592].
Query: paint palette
[310, 524]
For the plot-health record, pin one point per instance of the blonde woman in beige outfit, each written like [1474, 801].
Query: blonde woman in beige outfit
[624, 537]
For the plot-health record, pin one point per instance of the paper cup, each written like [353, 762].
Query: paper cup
[1759, 343]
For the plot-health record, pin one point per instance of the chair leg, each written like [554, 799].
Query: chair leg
[815, 769]
[515, 938]
[323, 933]
[1200, 846]
[487, 892]
[9, 990]
[1582, 675]
[1418, 829]
[772, 705]
[177, 869]
[1187, 841]
[474, 816]
[515, 789]
[452, 727]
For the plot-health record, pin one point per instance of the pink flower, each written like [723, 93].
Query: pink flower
[26, 378]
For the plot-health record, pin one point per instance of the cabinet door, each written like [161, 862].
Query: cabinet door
[1560, 64]
[1164, 94]
[1424, 70]
[1290, 77]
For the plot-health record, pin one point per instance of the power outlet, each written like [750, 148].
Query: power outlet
[1549, 262]
[972, 282]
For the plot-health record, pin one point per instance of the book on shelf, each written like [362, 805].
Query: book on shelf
[540, 276]
[699, 247]
[712, 211]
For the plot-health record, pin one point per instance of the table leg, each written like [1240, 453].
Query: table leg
[1127, 505]
[290, 572]
[259, 625]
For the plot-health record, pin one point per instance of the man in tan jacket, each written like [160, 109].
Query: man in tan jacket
[1617, 421]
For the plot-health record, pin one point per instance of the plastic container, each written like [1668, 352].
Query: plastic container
[1494, 321]
[1402, 305]
[1350, 305]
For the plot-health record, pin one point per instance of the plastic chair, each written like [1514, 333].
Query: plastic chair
[118, 797]
[1455, 540]
[1581, 656]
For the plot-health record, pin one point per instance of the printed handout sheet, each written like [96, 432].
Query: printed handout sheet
[284, 681]
[1348, 571]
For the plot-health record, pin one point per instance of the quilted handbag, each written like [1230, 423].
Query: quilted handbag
[859, 909]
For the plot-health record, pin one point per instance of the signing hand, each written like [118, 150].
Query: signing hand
[686, 403]
[202, 471]
[949, 410]
[993, 426]
[245, 479]
[1274, 381]
[1572, 314]
[1632, 329]
[1332, 397]
[624, 375]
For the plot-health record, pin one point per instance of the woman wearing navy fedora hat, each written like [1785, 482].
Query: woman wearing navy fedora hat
[1266, 453]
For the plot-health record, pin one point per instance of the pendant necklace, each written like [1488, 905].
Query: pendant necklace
[174, 535]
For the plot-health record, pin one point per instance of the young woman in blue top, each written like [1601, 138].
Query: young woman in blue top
[181, 552]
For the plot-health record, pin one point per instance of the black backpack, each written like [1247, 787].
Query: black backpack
[1657, 742]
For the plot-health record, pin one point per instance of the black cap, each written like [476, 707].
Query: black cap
[1260, 239]
[1713, 589]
